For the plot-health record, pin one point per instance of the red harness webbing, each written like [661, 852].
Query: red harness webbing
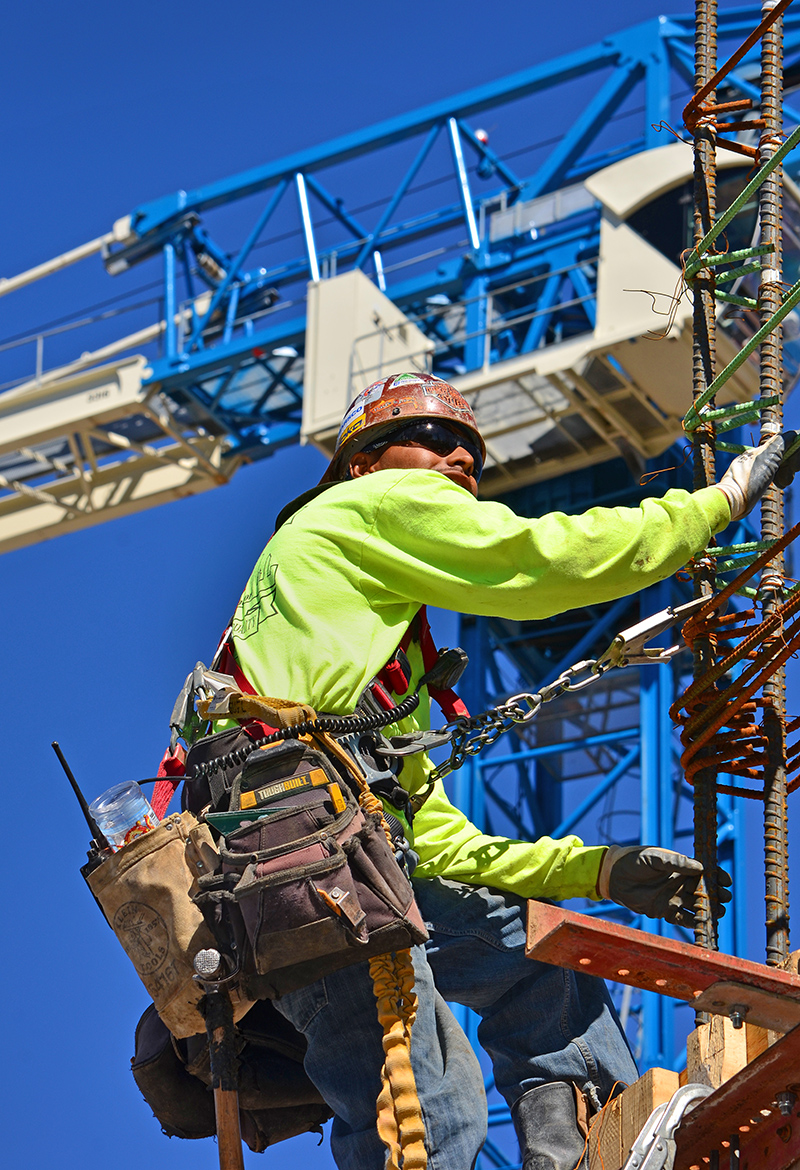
[172, 769]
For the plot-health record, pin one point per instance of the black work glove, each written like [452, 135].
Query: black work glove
[656, 882]
[791, 463]
[751, 473]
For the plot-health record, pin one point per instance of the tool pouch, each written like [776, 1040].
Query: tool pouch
[145, 891]
[308, 882]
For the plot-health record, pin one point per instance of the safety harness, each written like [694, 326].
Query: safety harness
[264, 721]
[442, 670]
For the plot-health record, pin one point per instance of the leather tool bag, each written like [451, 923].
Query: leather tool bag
[308, 882]
[276, 1098]
[145, 891]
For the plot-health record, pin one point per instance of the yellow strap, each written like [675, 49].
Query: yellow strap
[237, 705]
[345, 759]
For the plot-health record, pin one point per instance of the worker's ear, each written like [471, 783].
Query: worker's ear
[361, 464]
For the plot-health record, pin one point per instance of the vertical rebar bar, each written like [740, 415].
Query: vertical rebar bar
[771, 384]
[703, 446]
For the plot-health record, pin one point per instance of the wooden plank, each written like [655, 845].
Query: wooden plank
[715, 1052]
[654, 1088]
[616, 1128]
[654, 963]
[759, 1040]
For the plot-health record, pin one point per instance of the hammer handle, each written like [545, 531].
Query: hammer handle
[218, 1014]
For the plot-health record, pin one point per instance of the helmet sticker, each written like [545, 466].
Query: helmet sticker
[354, 418]
[450, 397]
[371, 394]
[403, 379]
[352, 427]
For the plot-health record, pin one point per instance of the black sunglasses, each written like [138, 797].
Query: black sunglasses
[438, 437]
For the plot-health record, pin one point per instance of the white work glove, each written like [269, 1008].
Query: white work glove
[752, 472]
[656, 882]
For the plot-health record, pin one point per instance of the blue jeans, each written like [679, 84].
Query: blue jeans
[538, 1024]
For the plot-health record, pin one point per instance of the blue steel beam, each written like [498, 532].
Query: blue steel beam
[422, 154]
[336, 208]
[586, 128]
[169, 301]
[657, 95]
[235, 268]
[598, 792]
[308, 227]
[485, 152]
[637, 43]
[147, 216]
[463, 183]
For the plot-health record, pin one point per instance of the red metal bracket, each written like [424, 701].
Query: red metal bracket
[744, 1108]
[768, 997]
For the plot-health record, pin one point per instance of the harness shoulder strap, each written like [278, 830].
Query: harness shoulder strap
[395, 675]
[449, 702]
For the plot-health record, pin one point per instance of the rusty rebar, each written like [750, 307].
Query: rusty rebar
[770, 386]
[716, 714]
[703, 444]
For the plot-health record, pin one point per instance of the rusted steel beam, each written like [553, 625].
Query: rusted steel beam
[731, 1112]
[664, 965]
[773, 1143]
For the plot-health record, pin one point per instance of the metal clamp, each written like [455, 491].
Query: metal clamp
[629, 649]
[654, 1148]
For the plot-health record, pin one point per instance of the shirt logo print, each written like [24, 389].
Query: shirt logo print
[258, 601]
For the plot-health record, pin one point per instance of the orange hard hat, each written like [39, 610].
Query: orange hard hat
[388, 404]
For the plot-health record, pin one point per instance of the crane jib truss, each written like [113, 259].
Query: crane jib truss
[227, 331]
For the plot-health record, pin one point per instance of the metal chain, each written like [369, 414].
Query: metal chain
[471, 734]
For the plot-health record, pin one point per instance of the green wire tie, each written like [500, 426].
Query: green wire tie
[739, 549]
[754, 406]
[728, 418]
[693, 419]
[735, 299]
[695, 260]
[734, 566]
[718, 258]
[735, 273]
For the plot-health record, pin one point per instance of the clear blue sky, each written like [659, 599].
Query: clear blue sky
[105, 106]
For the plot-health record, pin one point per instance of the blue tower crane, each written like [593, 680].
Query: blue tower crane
[499, 259]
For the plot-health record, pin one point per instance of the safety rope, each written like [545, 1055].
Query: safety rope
[400, 1124]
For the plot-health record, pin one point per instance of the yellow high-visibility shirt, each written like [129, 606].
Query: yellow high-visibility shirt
[338, 584]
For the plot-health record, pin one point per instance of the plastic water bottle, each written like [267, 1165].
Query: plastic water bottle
[123, 814]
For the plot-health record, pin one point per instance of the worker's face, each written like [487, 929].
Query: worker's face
[458, 465]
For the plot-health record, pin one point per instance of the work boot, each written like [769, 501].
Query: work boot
[546, 1121]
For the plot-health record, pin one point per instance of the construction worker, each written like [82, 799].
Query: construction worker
[396, 524]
